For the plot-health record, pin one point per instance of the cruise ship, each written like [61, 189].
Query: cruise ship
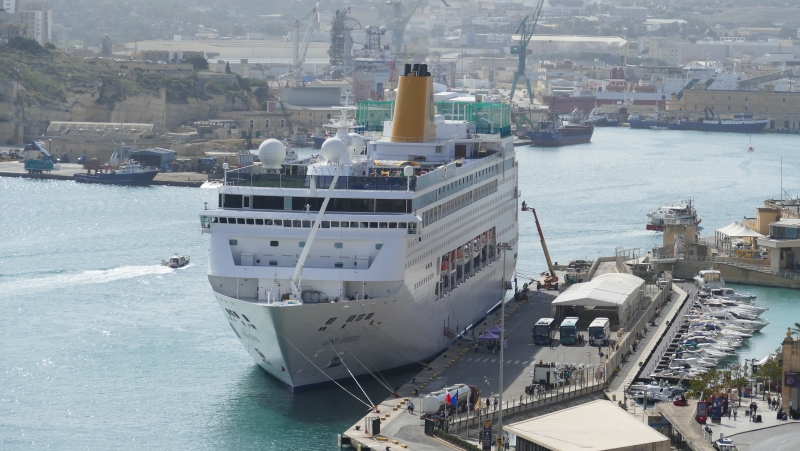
[373, 255]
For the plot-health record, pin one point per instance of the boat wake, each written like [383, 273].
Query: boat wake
[93, 277]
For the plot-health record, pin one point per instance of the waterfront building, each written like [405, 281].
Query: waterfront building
[783, 244]
[39, 18]
[603, 426]
[790, 393]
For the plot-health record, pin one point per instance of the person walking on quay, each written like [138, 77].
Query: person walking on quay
[476, 346]
[505, 343]
[411, 408]
[551, 344]
[495, 403]
[755, 408]
[735, 411]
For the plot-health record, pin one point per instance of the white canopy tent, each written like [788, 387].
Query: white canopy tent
[620, 294]
[724, 236]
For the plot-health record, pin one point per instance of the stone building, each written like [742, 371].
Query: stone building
[790, 393]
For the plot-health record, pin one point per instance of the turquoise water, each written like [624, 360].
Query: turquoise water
[102, 348]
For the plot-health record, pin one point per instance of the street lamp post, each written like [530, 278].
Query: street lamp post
[502, 247]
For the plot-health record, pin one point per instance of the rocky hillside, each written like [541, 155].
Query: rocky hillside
[39, 84]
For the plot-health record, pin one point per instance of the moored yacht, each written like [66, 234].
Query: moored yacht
[369, 257]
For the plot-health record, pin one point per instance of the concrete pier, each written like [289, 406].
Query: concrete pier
[461, 364]
[17, 169]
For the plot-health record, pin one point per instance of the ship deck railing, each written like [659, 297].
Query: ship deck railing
[322, 182]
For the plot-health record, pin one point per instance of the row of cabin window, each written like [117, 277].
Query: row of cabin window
[306, 224]
[234, 242]
[315, 204]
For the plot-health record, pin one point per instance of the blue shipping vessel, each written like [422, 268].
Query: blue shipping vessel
[128, 174]
[742, 123]
[645, 122]
[561, 136]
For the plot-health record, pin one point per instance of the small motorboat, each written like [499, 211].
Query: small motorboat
[750, 148]
[176, 261]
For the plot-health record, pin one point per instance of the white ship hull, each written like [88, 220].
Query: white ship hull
[403, 330]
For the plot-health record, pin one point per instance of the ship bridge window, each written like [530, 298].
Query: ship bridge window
[295, 223]
[287, 223]
[223, 220]
[268, 222]
[232, 201]
[384, 225]
[250, 221]
[240, 220]
[373, 225]
[231, 220]
[353, 225]
[392, 225]
[259, 222]
[365, 225]
[278, 222]
[325, 224]
[306, 224]
[333, 223]
[267, 202]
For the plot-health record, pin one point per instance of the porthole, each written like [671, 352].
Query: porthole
[273, 243]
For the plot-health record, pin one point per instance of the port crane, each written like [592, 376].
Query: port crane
[551, 279]
[398, 22]
[525, 30]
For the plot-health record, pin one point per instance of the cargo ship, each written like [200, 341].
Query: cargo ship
[132, 174]
[551, 134]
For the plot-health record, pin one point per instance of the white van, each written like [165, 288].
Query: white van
[599, 332]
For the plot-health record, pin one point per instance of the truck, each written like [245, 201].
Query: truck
[437, 401]
[44, 162]
[546, 375]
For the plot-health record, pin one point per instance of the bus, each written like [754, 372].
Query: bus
[542, 332]
[599, 332]
[568, 331]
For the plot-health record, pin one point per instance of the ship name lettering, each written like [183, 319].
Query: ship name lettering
[350, 339]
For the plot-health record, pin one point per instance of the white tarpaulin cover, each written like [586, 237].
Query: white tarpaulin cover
[607, 290]
[738, 231]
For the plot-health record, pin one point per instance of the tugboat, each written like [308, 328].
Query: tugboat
[176, 261]
[130, 173]
[551, 133]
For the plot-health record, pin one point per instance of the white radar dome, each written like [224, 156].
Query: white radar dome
[272, 153]
[334, 150]
[356, 144]
[408, 171]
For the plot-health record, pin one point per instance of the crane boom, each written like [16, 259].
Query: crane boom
[526, 29]
[544, 245]
[306, 36]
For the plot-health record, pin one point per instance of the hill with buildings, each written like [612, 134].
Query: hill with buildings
[40, 84]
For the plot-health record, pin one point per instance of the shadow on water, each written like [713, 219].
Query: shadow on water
[258, 403]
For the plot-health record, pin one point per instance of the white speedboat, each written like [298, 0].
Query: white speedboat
[730, 294]
[176, 261]
[332, 267]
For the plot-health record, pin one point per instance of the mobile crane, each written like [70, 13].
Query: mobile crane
[550, 277]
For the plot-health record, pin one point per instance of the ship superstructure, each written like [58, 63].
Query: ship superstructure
[373, 255]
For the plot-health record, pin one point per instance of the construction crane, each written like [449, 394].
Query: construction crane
[398, 22]
[525, 30]
[306, 36]
[551, 279]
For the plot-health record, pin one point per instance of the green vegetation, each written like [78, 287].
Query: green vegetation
[455, 440]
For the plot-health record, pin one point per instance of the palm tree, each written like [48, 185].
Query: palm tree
[796, 328]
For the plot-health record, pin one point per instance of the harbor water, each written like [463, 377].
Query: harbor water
[103, 348]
